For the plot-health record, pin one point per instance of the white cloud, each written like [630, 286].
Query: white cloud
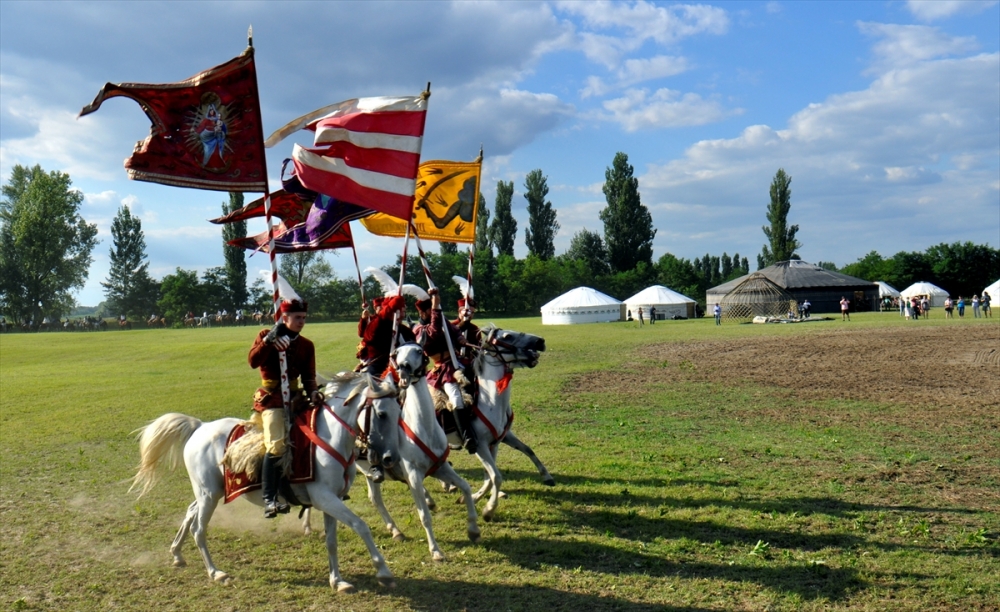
[773, 7]
[634, 71]
[929, 10]
[641, 22]
[103, 198]
[906, 45]
[638, 110]
[503, 121]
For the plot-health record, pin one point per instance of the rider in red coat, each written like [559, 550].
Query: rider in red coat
[375, 332]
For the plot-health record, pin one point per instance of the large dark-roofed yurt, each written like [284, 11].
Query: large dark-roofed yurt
[805, 281]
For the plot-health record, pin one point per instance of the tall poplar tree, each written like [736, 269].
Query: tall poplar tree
[483, 242]
[542, 225]
[236, 260]
[129, 290]
[503, 230]
[45, 245]
[780, 235]
[628, 226]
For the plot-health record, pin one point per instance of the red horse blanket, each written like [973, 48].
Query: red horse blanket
[303, 455]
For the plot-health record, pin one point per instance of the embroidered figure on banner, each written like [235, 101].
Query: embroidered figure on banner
[209, 130]
[463, 208]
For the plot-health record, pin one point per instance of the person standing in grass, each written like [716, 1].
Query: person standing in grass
[845, 305]
[639, 314]
[961, 307]
[975, 306]
[948, 307]
[717, 311]
[652, 315]
[987, 312]
[300, 354]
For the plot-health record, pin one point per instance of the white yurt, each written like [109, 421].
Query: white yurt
[994, 291]
[668, 303]
[581, 305]
[936, 294]
[886, 290]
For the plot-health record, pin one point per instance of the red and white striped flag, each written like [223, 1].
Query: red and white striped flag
[366, 151]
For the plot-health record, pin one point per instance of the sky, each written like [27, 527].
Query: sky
[885, 114]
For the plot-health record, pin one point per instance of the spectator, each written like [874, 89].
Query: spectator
[639, 312]
[845, 304]
[652, 315]
[717, 311]
[948, 307]
[987, 312]
[975, 306]
[961, 307]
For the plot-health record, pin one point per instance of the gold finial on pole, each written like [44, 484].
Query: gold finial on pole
[250, 36]
[427, 92]
[480, 158]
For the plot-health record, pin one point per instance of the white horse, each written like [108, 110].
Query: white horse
[501, 352]
[354, 403]
[423, 449]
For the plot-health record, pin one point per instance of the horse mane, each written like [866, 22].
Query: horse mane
[353, 383]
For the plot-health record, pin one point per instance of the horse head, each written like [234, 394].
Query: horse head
[410, 362]
[511, 347]
[382, 424]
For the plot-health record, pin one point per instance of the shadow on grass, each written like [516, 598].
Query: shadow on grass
[474, 597]
[808, 582]
[802, 505]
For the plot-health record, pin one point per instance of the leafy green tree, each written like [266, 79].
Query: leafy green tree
[780, 235]
[503, 230]
[679, 275]
[448, 248]
[727, 266]
[542, 225]
[963, 268]
[483, 242]
[485, 281]
[293, 266]
[45, 245]
[236, 259]
[827, 265]
[587, 246]
[180, 293]
[214, 289]
[129, 290]
[871, 267]
[628, 226]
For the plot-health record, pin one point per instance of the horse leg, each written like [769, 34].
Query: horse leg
[512, 441]
[199, 527]
[416, 480]
[486, 457]
[334, 510]
[182, 533]
[306, 524]
[447, 475]
[375, 497]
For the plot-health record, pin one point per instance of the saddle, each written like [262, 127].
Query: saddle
[245, 454]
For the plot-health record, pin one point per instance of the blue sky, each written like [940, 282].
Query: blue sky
[885, 114]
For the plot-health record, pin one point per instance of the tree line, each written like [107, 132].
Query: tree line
[46, 246]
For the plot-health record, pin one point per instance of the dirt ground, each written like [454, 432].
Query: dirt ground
[924, 367]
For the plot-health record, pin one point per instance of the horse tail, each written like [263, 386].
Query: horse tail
[161, 443]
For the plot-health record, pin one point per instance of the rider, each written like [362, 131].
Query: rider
[375, 332]
[431, 335]
[301, 356]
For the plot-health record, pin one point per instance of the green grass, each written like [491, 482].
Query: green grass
[668, 497]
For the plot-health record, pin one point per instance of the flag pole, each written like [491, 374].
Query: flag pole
[399, 291]
[286, 398]
[430, 285]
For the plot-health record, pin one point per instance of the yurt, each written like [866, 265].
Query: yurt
[755, 296]
[994, 291]
[936, 294]
[668, 303]
[805, 281]
[581, 305]
[886, 290]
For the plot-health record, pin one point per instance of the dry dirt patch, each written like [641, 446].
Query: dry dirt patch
[925, 367]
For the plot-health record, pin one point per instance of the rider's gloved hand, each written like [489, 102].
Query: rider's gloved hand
[276, 331]
[281, 342]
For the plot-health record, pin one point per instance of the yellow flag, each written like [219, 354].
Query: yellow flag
[445, 205]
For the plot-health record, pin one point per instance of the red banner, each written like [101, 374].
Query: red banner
[206, 131]
[289, 207]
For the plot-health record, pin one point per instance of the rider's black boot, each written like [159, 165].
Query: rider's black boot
[270, 477]
[467, 430]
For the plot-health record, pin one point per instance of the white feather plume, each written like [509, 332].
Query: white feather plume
[389, 286]
[416, 291]
[285, 291]
[463, 286]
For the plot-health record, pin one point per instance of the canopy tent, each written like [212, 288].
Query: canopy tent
[935, 294]
[994, 291]
[581, 305]
[886, 290]
[805, 281]
[667, 302]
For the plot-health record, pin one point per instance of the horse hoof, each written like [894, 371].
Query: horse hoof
[346, 588]
[222, 578]
[389, 583]
[180, 563]
[460, 500]
[487, 515]
[399, 536]
[549, 482]
[307, 531]
[502, 495]
[474, 536]
[438, 557]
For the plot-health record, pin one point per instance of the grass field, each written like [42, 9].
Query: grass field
[682, 483]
